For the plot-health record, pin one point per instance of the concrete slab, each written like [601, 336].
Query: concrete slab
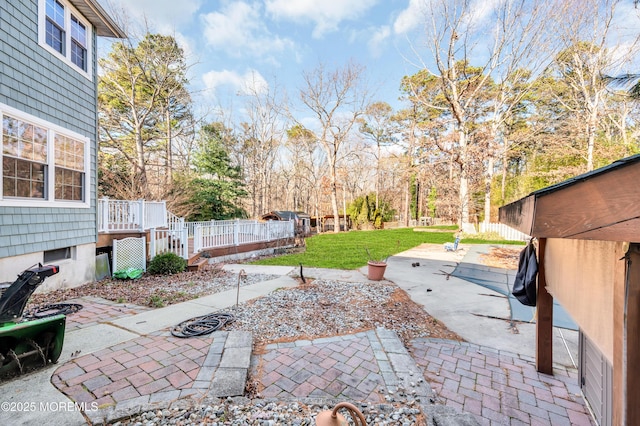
[228, 382]
[239, 339]
[259, 269]
[236, 358]
[477, 314]
[317, 273]
[32, 400]
[162, 318]
[354, 275]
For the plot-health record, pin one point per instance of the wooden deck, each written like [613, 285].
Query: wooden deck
[195, 260]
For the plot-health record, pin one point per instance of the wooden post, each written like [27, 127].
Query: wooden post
[544, 320]
[631, 352]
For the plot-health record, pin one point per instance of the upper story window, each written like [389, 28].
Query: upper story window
[55, 25]
[42, 164]
[78, 43]
[64, 32]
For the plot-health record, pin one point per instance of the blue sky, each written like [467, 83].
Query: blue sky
[237, 43]
[273, 41]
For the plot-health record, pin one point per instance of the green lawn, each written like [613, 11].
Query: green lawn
[347, 250]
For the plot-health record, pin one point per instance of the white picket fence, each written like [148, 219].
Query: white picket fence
[238, 232]
[505, 231]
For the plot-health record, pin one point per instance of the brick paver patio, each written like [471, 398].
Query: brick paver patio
[96, 310]
[498, 387]
[337, 367]
[154, 368]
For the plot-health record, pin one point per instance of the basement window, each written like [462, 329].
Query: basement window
[57, 255]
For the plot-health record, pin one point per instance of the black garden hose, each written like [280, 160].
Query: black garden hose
[50, 310]
[202, 325]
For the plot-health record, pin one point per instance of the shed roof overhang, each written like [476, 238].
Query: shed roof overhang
[105, 26]
[600, 205]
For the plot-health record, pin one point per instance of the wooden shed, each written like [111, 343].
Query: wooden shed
[588, 237]
[301, 219]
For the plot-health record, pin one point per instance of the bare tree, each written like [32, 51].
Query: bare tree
[336, 99]
[585, 28]
[458, 34]
[377, 125]
[411, 134]
[263, 133]
[529, 51]
[306, 168]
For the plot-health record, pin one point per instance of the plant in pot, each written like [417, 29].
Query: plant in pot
[376, 266]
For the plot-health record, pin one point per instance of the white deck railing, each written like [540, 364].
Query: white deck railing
[191, 226]
[167, 240]
[125, 215]
[225, 233]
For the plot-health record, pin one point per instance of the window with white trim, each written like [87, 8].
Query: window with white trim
[64, 32]
[42, 164]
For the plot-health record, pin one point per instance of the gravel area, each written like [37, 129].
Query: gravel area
[327, 308]
[155, 290]
[239, 411]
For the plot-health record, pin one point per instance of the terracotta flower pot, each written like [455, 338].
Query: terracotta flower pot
[376, 270]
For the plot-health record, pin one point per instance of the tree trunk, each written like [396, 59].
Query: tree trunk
[334, 199]
[407, 200]
[487, 189]
[464, 178]
[378, 179]
[591, 137]
[141, 165]
[505, 169]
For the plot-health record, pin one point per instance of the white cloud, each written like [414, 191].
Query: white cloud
[377, 40]
[477, 13]
[325, 14]
[482, 12]
[409, 18]
[249, 82]
[239, 30]
[165, 15]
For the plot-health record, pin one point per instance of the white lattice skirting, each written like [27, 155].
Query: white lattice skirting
[129, 253]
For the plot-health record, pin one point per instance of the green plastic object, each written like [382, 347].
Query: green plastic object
[31, 341]
[128, 274]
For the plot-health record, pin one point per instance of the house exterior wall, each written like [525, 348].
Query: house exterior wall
[582, 275]
[38, 83]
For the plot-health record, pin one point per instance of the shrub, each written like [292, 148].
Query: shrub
[167, 264]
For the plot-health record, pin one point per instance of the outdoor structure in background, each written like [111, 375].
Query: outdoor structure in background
[327, 223]
[588, 235]
[49, 136]
[301, 220]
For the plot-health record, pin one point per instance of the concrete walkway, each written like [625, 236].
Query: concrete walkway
[478, 314]
[127, 361]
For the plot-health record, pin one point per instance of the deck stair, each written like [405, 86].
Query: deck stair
[196, 262]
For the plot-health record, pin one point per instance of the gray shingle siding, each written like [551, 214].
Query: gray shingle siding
[38, 83]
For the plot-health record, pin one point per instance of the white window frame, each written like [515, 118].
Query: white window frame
[52, 130]
[66, 57]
